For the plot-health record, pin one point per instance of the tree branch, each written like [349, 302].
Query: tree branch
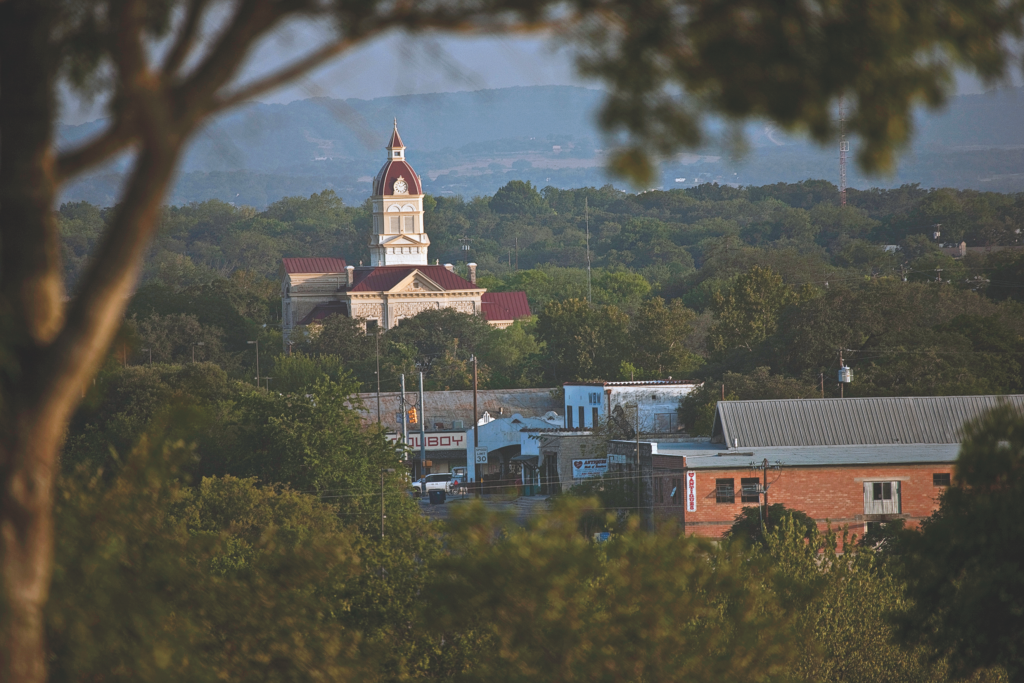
[186, 37]
[118, 137]
[282, 76]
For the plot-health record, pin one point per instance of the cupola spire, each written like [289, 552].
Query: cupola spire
[396, 139]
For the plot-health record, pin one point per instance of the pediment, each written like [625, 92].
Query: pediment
[400, 241]
[416, 282]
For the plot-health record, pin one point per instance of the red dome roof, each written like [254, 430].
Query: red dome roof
[392, 170]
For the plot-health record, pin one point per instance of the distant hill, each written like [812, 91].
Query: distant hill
[471, 143]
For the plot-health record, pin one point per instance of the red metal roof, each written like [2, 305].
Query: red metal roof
[505, 305]
[317, 264]
[321, 311]
[396, 139]
[392, 170]
[383, 278]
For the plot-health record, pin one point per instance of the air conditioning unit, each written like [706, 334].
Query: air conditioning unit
[457, 424]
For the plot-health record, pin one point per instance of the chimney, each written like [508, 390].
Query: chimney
[472, 272]
[349, 275]
[449, 267]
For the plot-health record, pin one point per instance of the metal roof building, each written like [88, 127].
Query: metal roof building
[851, 421]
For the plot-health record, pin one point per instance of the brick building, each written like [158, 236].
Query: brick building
[848, 462]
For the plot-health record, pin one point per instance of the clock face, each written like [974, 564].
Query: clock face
[401, 187]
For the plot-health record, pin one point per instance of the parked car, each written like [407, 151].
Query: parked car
[434, 482]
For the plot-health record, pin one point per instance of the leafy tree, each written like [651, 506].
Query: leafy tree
[154, 581]
[314, 443]
[158, 100]
[620, 288]
[583, 342]
[177, 338]
[434, 332]
[658, 331]
[337, 335]
[653, 606]
[751, 526]
[513, 356]
[845, 605]
[747, 313]
[518, 198]
[299, 373]
[963, 571]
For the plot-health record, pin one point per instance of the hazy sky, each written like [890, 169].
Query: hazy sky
[400, 64]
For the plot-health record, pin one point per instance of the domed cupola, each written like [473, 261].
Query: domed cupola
[398, 237]
[396, 176]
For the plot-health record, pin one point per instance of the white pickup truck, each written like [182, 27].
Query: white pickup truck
[434, 482]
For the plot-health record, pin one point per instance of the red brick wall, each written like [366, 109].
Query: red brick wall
[828, 494]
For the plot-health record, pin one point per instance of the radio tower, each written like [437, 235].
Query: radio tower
[844, 147]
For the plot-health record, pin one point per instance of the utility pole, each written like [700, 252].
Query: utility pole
[517, 253]
[638, 481]
[204, 344]
[765, 465]
[405, 418]
[150, 355]
[377, 338]
[823, 385]
[383, 471]
[257, 343]
[586, 214]
[840, 369]
[423, 436]
[476, 427]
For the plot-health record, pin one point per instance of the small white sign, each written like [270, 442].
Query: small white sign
[481, 455]
[584, 468]
[691, 491]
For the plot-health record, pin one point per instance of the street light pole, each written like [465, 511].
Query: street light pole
[257, 343]
[194, 350]
[150, 355]
[382, 472]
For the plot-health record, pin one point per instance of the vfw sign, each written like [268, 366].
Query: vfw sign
[691, 491]
[584, 468]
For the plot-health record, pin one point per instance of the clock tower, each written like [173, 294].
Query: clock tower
[398, 238]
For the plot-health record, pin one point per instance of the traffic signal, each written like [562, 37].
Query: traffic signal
[413, 417]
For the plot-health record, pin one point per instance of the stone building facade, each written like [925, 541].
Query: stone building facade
[399, 282]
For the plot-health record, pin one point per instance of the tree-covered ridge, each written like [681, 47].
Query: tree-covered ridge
[689, 283]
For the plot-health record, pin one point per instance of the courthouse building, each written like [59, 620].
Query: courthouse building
[399, 282]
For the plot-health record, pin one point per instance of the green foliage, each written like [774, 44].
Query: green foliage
[750, 524]
[845, 605]
[583, 342]
[963, 570]
[299, 373]
[153, 581]
[547, 604]
[518, 198]
[747, 313]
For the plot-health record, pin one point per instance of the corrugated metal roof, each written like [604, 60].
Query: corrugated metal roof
[446, 406]
[505, 305]
[315, 264]
[637, 383]
[814, 456]
[852, 421]
[383, 278]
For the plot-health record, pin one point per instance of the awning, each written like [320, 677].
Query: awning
[524, 458]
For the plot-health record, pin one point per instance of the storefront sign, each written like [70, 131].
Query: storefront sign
[691, 491]
[435, 442]
[586, 468]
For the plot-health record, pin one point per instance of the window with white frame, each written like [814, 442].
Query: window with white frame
[882, 498]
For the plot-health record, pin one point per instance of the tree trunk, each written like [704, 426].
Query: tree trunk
[31, 306]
